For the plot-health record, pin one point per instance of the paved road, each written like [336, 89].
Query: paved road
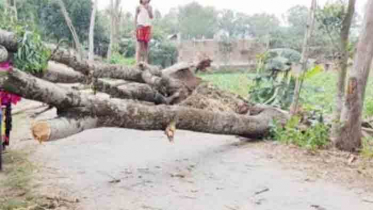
[119, 169]
[199, 171]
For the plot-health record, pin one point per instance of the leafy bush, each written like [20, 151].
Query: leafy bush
[314, 137]
[163, 53]
[281, 59]
[117, 58]
[32, 56]
[274, 81]
[368, 107]
[367, 148]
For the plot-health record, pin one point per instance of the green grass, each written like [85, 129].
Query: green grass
[322, 94]
[18, 172]
[367, 148]
[235, 82]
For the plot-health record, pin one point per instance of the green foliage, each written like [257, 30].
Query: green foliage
[227, 22]
[163, 53]
[32, 56]
[196, 21]
[101, 34]
[281, 59]
[117, 58]
[226, 48]
[331, 16]
[234, 82]
[274, 81]
[313, 137]
[367, 148]
[368, 107]
[263, 24]
[318, 94]
[54, 24]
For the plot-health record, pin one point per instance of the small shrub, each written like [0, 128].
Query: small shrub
[163, 53]
[368, 107]
[117, 58]
[367, 148]
[314, 137]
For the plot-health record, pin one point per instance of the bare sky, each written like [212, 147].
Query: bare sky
[277, 7]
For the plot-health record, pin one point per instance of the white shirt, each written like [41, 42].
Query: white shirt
[143, 19]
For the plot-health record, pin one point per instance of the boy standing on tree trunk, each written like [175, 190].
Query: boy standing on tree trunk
[144, 14]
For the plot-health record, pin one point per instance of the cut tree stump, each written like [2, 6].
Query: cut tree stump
[60, 128]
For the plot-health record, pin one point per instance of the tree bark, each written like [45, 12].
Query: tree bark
[92, 31]
[178, 79]
[343, 64]
[69, 23]
[59, 73]
[3, 54]
[304, 59]
[8, 40]
[61, 127]
[98, 70]
[351, 118]
[130, 90]
[125, 114]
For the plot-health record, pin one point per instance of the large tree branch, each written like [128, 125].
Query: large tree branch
[125, 114]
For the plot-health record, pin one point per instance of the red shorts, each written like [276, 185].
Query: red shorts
[143, 33]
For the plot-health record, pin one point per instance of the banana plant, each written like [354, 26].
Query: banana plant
[274, 80]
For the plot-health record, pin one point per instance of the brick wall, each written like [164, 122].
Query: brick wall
[243, 52]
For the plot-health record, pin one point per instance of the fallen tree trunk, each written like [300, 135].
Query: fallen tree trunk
[124, 114]
[59, 73]
[176, 82]
[8, 40]
[98, 70]
[130, 90]
[60, 128]
[3, 54]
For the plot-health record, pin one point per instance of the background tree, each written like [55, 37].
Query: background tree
[262, 25]
[115, 13]
[351, 117]
[304, 59]
[69, 23]
[227, 22]
[197, 22]
[53, 23]
[343, 25]
[91, 31]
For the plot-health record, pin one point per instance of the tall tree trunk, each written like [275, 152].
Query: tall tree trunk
[304, 59]
[92, 31]
[351, 117]
[69, 23]
[15, 9]
[343, 64]
[114, 24]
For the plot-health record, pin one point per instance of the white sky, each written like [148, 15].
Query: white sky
[277, 7]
